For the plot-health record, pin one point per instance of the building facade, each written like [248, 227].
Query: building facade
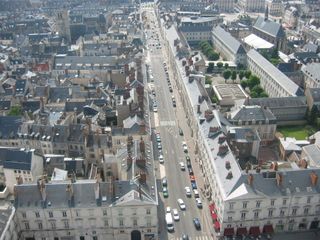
[252, 5]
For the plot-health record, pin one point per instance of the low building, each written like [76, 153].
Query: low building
[258, 43]
[311, 75]
[229, 47]
[289, 145]
[227, 94]
[311, 154]
[313, 98]
[257, 118]
[287, 110]
[274, 82]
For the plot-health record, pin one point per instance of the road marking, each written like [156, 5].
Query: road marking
[156, 120]
[162, 171]
[167, 123]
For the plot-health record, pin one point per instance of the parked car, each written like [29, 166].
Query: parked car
[164, 182]
[196, 193]
[194, 185]
[165, 192]
[168, 209]
[198, 202]
[161, 159]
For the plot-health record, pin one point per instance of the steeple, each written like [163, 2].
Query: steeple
[266, 14]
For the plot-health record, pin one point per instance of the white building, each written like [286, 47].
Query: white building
[311, 75]
[274, 82]
[229, 47]
[243, 201]
[275, 7]
[252, 5]
[8, 223]
[224, 5]
[290, 17]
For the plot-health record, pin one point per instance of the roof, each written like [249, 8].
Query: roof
[257, 42]
[233, 44]
[313, 153]
[61, 93]
[269, 27]
[281, 102]
[6, 215]
[16, 158]
[9, 126]
[286, 83]
[311, 47]
[228, 91]
[315, 94]
[312, 71]
[252, 113]
[306, 57]
[131, 121]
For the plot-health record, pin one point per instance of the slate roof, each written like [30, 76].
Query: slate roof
[312, 70]
[16, 158]
[9, 126]
[195, 28]
[5, 212]
[306, 57]
[233, 44]
[250, 113]
[281, 102]
[311, 47]
[62, 93]
[5, 104]
[269, 27]
[31, 105]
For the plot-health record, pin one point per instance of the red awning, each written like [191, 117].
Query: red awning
[268, 229]
[254, 231]
[214, 216]
[212, 207]
[217, 225]
[228, 232]
[242, 231]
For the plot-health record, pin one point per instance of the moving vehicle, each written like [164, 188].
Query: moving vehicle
[168, 209]
[181, 204]
[185, 147]
[180, 132]
[196, 223]
[169, 222]
[198, 202]
[182, 166]
[185, 237]
[176, 216]
[188, 191]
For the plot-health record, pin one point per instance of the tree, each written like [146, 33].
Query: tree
[15, 111]
[210, 67]
[226, 65]
[226, 74]
[247, 74]
[219, 65]
[258, 89]
[213, 56]
[241, 75]
[264, 95]
[313, 115]
[208, 80]
[244, 84]
[253, 81]
[234, 75]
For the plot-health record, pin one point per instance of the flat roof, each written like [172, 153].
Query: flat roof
[257, 42]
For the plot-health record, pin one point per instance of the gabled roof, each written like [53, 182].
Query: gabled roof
[16, 158]
[133, 198]
[269, 27]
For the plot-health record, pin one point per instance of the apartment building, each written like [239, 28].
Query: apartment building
[274, 82]
[250, 200]
[275, 7]
[252, 5]
[311, 74]
[229, 47]
[8, 223]
[224, 5]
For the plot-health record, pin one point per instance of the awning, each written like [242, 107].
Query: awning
[228, 232]
[268, 229]
[214, 216]
[254, 231]
[212, 207]
[217, 225]
[242, 231]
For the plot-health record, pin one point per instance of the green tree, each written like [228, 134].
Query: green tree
[253, 81]
[226, 65]
[258, 89]
[210, 67]
[213, 56]
[244, 84]
[264, 95]
[15, 111]
[241, 75]
[233, 76]
[226, 74]
[247, 74]
[313, 115]
[208, 80]
[219, 65]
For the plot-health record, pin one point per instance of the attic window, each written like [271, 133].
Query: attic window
[229, 176]
[228, 166]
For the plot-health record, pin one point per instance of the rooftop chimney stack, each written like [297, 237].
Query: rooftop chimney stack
[314, 179]
[250, 179]
[279, 178]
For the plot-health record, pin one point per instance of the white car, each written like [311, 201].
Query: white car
[168, 209]
[198, 202]
[182, 166]
[159, 146]
[176, 216]
[188, 191]
[196, 193]
[161, 160]
[155, 109]
[181, 204]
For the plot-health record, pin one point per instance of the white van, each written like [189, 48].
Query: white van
[169, 222]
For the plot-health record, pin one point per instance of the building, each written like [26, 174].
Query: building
[227, 94]
[311, 74]
[313, 98]
[252, 200]
[290, 18]
[224, 5]
[252, 5]
[257, 118]
[287, 110]
[257, 43]
[8, 223]
[20, 166]
[275, 7]
[196, 29]
[274, 82]
[290, 145]
[270, 31]
[228, 46]
[310, 154]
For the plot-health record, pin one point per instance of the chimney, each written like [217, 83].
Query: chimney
[279, 178]
[250, 179]
[314, 178]
[184, 62]
[198, 109]
[97, 187]
[274, 166]
[42, 189]
[41, 104]
[142, 146]
[303, 164]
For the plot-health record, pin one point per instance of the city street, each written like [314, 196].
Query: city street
[166, 122]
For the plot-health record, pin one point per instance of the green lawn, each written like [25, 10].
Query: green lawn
[298, 132]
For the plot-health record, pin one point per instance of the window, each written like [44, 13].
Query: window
[244, 205]
[284, 202]
[26, 225]
[106, 223]
[135, 222]
[256, 214]
[51, 214]
[270, 213]
[148, 211]
[64, 214]
[306, 211]
[272, 202]
[24, 215]
[37, 214]
[40, 225]
[229, 219]
[308, 199]
[148, 222]
[281, 213]
[121, 222]
[53, 225]
[258, 204]
[82, 238]
[120, 212]
[66, 224]
[294, 211]
[231, 205]
[94, 238]
[104, 212]
[243, 215]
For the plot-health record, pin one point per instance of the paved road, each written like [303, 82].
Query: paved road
[166, 123]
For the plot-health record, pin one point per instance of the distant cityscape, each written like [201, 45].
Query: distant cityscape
[169, 120]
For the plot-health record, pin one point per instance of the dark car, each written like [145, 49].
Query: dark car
[190, 171]
[185, 237]
[194, 185]
[196, 223]
[180, 132]
[170, 89]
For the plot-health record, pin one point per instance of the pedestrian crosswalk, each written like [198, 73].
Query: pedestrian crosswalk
[203, 237]
[167, 123]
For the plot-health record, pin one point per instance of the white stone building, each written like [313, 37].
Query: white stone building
[252, 5]
[8, 223]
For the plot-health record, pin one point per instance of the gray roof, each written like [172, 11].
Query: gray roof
[313, 152]
[286, 83]
[270, 27]
[315, 94]
[311, 47]
[9, 126]
[16, 158]
[195, 28]
[62, 93]
[250, 113]
[233, 44]
[284, 102]
[312, 71]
